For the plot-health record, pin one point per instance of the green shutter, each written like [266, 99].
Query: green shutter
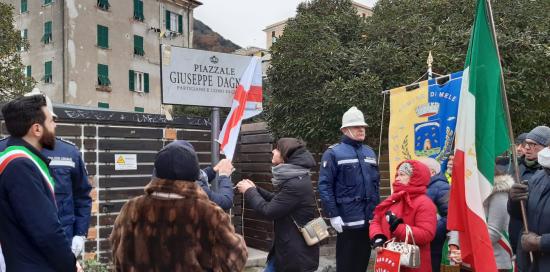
[25, 34]
[141, 17]
[131, 79]
[48, 71]
[103, 105]
[139, 109]
[47, 38]
[29, 71]
[46, 2]
[146, 82]
[138, 10]
[138, 45]
[103, 4]
[24, 6]
[167, 20]
[102, 36]
[103, 75]
[180, 24]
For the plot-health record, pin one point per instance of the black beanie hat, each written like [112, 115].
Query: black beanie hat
[177, 161]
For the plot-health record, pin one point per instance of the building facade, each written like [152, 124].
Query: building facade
[101, 53]
[274, 31]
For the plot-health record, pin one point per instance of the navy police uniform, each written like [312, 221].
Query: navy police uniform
[72, 189]
[349, 183]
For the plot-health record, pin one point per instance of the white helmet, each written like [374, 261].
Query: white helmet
[49, 104]
[353, 118]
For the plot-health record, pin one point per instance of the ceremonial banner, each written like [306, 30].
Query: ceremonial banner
[423, 120]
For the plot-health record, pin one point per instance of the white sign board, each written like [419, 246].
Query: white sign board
[201, 78]
[125, 162]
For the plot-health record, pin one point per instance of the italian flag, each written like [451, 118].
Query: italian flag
[481, 135]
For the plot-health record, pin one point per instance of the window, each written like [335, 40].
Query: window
[47, 72]
[139, 109]
[47, 37]
[102, 36]
[174, 22]
[24, 37]
[27, 71]
[24, 6]
[103, 75]
[138, 45]
[47, 2]
[138, 10]
[138, 81]
[273, 37]
[102, 105]
[103, 4]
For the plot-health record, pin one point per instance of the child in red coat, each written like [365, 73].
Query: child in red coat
[407, 205]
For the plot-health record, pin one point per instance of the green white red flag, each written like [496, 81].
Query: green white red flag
[481, 135]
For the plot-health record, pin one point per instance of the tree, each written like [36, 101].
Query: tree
[401, 33]
[12, 80]
[318, 71]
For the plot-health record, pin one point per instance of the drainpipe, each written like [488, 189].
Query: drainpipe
[63, 57]
[188, 26]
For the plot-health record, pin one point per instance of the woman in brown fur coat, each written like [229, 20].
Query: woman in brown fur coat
[174, 227]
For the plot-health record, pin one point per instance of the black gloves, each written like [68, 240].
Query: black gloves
[519, 191]
[393, 220]
[378, 240]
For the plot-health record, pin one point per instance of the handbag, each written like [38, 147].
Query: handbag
[410, 253]
[315, 230]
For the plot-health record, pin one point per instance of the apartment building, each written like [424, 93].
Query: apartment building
[101, 53]
[274, 31]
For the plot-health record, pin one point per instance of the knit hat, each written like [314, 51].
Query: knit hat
[287, 146]
[177, 161]
[521, 138]
[406, 168]
[540, 134]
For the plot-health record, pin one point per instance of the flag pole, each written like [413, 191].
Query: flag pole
[508, 118]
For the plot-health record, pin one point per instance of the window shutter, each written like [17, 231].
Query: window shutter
[140, 10]
[131, 79]
[103, 74]
[24, 6]
[102, 36]
[180, 24]
[48, 71]
[138, 45]
[167, 18]
[29, 71]
[136, 8]
[146, 82]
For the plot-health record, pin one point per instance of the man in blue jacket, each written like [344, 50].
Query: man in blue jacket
[72, 189]
[30, 232]
[349, 184]
[224, 194]
[438, 192]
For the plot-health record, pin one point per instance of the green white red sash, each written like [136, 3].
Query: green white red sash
[14, 152]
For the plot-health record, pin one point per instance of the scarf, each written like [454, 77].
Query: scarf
[284, 172]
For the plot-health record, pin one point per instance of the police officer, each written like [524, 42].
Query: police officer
[72, 189]
[349, 184]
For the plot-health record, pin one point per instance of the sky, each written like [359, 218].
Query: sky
[242, 21]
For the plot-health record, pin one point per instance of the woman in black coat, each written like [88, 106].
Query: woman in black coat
[293, 199]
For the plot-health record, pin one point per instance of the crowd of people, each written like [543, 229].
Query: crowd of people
[179, 223]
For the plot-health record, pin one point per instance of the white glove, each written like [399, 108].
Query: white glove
[337, 223]
[78, 245]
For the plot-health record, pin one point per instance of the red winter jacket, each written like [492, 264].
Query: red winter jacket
[417, 210]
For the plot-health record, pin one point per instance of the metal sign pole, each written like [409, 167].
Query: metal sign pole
[215, 146]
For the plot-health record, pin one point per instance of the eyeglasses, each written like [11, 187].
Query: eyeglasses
[530, 144]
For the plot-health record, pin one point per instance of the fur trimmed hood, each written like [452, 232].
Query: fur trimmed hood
[503, 183]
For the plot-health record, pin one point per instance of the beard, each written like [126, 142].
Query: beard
[48, 139]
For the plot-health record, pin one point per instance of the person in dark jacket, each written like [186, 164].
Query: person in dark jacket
[438, 192]
[31, 235]
[536, 193]
[528, 165]
[223, 196]
[291, 206]
[349, 184]
[72, 189]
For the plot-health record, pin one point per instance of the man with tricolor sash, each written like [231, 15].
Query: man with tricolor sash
[30, 232]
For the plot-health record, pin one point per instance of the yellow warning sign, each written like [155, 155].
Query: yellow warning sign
[121, 160]
[125, 161]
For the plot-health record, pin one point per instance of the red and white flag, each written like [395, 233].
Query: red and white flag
[247, 103]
